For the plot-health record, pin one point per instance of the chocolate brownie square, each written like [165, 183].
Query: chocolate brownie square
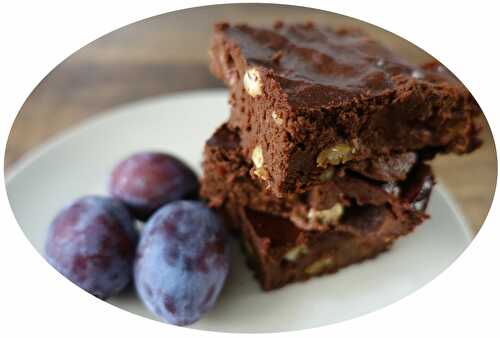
[280, 253]
[306, 99]
[226, 176]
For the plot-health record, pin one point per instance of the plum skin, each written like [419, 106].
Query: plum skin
[92, 242]
[146, 181]
[182, 262]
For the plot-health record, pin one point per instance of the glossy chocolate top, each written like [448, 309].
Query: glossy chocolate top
[281, 232]
[320, 67]
[224, 138]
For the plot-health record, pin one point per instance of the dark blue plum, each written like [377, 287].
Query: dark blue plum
[92, 242]
[147, 181]
[182, 261]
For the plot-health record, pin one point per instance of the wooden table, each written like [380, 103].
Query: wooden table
[168, 53]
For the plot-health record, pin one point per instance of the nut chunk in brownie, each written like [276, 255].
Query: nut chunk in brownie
[307, 98]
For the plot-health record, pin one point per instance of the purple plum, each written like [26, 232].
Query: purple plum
[92, 242]
[182, 261]
[146, 181]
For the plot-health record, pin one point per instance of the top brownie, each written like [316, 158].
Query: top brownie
[306, 99]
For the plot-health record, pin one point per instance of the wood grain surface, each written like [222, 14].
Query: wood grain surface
[168, 53]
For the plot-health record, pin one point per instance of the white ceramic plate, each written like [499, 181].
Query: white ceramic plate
[79, 162]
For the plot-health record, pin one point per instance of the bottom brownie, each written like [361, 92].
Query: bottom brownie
[280, 253]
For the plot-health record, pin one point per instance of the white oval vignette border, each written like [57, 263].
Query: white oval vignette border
[36, 301]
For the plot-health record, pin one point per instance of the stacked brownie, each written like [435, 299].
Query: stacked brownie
[321, 163]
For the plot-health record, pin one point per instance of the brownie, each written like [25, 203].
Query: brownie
[226, 176]
[280, 253]
[306, 99]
